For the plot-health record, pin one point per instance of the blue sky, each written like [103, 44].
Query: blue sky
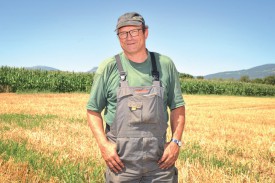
[201, 36]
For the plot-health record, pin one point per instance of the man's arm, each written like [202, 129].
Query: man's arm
[108, 149]
[171, 152]
[177, 122]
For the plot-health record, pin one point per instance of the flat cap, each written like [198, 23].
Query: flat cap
[131, 18]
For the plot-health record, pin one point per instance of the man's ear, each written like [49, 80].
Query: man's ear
[146, 33]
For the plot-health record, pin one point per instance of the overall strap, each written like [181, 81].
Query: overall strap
[155, 72]
[122, 73]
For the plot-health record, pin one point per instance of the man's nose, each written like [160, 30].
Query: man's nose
[129, 36]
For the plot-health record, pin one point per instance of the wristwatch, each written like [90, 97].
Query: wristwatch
[178, 142]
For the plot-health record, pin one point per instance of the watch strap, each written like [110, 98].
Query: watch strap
[178, 142]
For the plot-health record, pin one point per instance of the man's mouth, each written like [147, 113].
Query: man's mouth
[131, 43]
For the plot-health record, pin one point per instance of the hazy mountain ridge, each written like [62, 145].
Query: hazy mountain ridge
[253, 73]
[93, 70]
[41, 67]
[47, 68]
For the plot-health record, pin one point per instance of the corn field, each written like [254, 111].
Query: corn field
[197, 86]
[23, 80]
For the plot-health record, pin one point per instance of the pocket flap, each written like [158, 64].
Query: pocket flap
[133, 104]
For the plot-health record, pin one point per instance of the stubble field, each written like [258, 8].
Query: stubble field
[45, 138]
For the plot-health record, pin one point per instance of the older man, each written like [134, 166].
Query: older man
[135, 88]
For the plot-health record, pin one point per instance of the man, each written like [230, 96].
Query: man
[134, 88]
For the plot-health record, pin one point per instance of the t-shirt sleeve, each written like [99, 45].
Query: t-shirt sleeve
[175, 98]
[97, 99]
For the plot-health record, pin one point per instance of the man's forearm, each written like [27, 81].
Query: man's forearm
[171, 151]
[177, 122]
[95, 123]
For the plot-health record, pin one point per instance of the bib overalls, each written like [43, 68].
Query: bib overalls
[139, 131]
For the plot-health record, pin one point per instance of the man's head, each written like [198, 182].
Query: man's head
[131, 18]
[132, 33]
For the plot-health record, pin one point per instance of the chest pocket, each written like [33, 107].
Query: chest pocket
[135, 111]
[144, 108]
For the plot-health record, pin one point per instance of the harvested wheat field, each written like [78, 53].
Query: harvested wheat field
[45, 138]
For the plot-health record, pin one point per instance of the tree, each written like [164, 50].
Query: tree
[184, 75]
[258, 80]
[269, 80]
[245, 78]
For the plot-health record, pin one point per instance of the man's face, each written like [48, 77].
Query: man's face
[134, 41]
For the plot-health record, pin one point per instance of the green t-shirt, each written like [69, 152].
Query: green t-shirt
[106, 82]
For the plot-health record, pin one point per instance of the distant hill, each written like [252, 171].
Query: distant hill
[40, 67]
[255, 72]
[46, 68]
[93, 70]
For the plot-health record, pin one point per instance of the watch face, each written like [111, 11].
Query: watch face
[177, 142]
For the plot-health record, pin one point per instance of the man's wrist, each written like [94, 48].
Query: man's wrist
[178, 142]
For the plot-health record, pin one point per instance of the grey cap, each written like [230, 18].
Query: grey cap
[131, 18]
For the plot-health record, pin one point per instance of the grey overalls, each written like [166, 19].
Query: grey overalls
[139, 130]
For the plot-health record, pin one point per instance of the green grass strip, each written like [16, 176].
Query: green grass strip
[47, 167]
[26, 121]
[195, 153]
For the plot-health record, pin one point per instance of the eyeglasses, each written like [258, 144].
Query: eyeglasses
[133, 33]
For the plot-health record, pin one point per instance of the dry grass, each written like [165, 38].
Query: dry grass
[19, 172]
[242, 129]
[237, 131]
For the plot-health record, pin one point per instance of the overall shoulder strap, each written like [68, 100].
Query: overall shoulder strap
[155, 72]
[122, 73]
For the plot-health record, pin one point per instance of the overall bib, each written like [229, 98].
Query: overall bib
[139, 131]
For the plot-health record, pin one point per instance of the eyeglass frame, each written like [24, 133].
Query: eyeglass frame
[129, 32]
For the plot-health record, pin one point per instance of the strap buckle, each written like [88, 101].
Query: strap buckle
[155, 75]
[123, 75]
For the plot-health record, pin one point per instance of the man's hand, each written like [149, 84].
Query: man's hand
[171, 149]
[109, 154]
[107, 148]
[170, 155]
